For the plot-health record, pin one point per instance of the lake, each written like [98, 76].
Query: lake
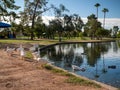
[101, 61]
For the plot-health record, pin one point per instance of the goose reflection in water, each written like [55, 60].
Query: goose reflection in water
[77, 68]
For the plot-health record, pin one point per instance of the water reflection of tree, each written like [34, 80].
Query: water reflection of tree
[55, 55]
[94, 52]
[78, 60]
[66, 58]
[104, 49]
[118, 43]
[65, 53]
[104, 70]
[115, 46]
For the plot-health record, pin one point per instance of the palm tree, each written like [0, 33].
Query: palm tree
[104, 11]
[104, 69]
[97, 5]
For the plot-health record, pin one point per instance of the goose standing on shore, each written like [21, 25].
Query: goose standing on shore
[34, 47]
[22, 52]
[36, 55]
[10, 50]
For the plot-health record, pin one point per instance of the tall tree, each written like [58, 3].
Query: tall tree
[77, 22]
[115, 30]
[68, 25]
[60, 10]
[58, 14]
[12, 16]
[57, 26]
[104, 11]
[97, 5]
[35, 8]
[92, 26]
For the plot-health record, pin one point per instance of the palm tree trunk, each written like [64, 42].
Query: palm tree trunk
[104, 20]
[97, 13]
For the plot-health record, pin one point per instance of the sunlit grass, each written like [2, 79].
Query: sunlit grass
[79, 81]
[55, 70]
[29, 55]
[42, 41]
[77, 39]
[48, 41]
[15, 41]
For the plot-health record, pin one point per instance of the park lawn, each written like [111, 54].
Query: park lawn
[41, 41]
[49, 41]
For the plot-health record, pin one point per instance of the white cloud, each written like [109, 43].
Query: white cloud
[109, 22]
[46, 19]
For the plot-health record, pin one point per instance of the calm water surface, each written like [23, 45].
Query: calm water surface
[101, 60]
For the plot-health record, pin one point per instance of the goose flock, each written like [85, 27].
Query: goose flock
[35, 50]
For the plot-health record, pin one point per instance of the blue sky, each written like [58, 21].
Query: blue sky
[84, 7]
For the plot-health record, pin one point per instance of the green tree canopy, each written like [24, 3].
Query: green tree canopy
[33, 9]
[92, 26]
[6, 5]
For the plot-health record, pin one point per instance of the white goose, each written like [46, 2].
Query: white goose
[22, 52]
[19, 48]
[34, 47]
[10, 50]
[36, 55]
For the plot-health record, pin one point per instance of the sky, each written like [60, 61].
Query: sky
[84, 8]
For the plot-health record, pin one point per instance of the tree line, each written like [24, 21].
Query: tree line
[63, 25]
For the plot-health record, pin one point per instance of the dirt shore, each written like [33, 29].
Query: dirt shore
[16, 74]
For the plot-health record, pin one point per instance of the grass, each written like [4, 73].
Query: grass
[42, 42]
[29, 55]
[47, 41]
[71, 78]
[78, 81]
[55, 70]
